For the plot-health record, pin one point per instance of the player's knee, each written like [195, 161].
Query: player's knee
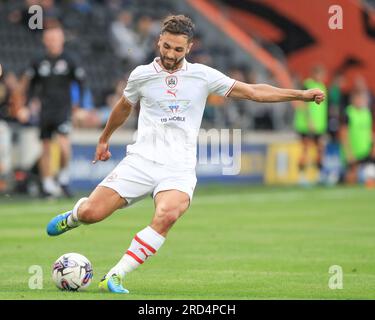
[167, 214]
[89, 213]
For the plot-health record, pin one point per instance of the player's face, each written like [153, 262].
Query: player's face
[319, 74]
[173, 49]
[360, 100]
[53, 40]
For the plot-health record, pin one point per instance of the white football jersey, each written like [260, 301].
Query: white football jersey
[171, 109]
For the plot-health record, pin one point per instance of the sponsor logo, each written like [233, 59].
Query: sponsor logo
[172, 92]
[174, 106]
[176, 119]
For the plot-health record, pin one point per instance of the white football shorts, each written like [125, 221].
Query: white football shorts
[135, 177]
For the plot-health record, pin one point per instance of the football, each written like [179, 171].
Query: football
[72, 272]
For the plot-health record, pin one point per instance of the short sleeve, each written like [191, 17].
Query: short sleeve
[219, 83]
[32, 70]
[79, 73]
[131, 91]
[344, 118]
[76, 70]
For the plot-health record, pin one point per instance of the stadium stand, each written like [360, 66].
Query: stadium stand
[88, 34]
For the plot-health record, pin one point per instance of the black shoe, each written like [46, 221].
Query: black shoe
[66, 191]
[46, 195]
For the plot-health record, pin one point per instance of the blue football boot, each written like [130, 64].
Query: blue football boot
[59, 224]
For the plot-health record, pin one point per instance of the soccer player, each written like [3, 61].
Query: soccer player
[172, 93]
[53, 73]
[311, 121]
[357, 136]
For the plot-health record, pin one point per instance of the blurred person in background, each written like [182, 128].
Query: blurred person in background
[50, 76]
[357, 135]
[238, 112]
[125, 41]
[50, 11]
[12, 111]
[89, 116]
[200, 54]
[147, 30]
[220, 112]
[5, 133]
[81, 6]
[332, 167]
[110, 99]
[335, 105]
[85, 116]
[311, 121]
[22, 15]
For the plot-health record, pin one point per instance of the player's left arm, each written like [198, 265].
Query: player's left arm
[268, 93]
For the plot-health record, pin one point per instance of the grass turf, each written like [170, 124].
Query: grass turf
[235, 242]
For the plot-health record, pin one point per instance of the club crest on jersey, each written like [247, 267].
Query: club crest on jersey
[61, 67]
[171, 81]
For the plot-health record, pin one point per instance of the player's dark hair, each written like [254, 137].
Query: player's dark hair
[51, 23]
[178, 24]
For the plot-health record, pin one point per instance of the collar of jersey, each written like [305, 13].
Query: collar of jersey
[159, 68]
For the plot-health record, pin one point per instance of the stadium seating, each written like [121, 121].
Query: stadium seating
[87, 36]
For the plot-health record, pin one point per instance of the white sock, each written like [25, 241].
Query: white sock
[73, 220]
[145, 244]
[50, 186]
[64, 176]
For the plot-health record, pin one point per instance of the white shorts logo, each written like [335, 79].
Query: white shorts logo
[112, 177]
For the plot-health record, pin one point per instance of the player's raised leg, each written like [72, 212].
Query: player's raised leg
[99, 205]
[169, 206]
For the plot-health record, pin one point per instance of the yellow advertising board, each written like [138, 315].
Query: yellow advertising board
[282, 164]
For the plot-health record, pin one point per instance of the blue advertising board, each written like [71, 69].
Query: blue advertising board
[234, 165]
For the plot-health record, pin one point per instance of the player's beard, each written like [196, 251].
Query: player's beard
[171, 64]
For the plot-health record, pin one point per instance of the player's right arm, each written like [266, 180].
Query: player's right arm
[24, 83]
[29, 77]
[118, 116]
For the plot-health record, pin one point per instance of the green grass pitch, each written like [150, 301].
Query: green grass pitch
[235, 242]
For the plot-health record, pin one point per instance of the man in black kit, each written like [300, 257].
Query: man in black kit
[50, 77]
